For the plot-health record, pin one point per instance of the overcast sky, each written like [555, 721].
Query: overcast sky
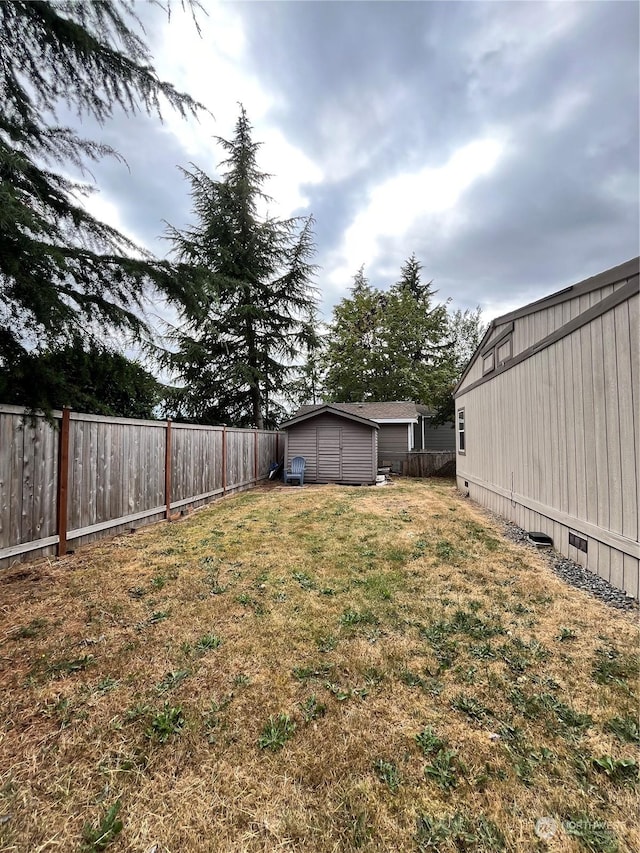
[497, 141]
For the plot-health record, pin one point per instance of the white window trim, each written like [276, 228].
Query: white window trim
[460, 432]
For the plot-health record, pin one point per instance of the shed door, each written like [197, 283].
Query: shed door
[329, 453]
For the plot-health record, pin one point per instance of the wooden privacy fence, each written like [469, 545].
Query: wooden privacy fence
[90, 476]
[426, 463]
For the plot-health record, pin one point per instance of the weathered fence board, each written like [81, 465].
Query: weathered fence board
[426, 463]
[117, 475]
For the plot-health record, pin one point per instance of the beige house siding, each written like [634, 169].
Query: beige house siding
[335, 450]
[552, 443]
[553, 313]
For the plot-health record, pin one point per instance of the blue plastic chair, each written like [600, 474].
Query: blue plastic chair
[296, 474]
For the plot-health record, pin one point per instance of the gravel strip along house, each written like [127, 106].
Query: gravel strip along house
[547, 422]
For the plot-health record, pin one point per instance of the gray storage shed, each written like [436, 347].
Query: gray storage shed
[338, 446]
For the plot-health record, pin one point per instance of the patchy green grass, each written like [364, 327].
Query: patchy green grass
[317, 669]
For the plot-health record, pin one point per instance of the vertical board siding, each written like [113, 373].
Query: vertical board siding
[116, 470]
[564, 422]
[334, 449]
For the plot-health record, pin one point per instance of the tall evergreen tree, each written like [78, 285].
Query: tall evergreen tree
[62, 270]
[353, 356]
[236, 356]
[308, 382]
[388, 345]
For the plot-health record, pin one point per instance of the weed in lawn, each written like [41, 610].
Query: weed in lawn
[592, 835]
[373, 676]
[470, 706]
[327, 590]
[276, 732]
[35, 628]
[411, 679]
[156, 617]
[445, 551]
[612, 667]
[458, 832]
[465, 675]
[207, 643]
[344, 693]
[60, 668]
[566, 634]
[443, 769]
[172, 680]
[304, 673]
[352, 618]
[305, 581]
[158, 582]
[96, 838]
[419, 549]
[327, 644]
[106, 685]
[139, 710]
[484, 651]
[136, 592]
[387, 772]
[241, 680]
[165, 723]
[311, 709]
[429, 742]
[617, 770]
[624, 728]
[473, 626]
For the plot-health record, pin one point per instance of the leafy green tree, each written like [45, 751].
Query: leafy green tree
[388, 345]
[88, 377]
[236, 356]
[62, 271]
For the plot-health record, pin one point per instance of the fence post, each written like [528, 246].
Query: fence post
[255, 456]
[63, 481]
[224, 459]
[167, 470]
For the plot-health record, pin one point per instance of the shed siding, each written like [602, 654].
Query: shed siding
[335, 450]
[553, 442]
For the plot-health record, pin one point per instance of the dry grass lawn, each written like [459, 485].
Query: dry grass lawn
[318, 669]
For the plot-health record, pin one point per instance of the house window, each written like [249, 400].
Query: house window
[488, 363]
[504, 351]
[461, 436]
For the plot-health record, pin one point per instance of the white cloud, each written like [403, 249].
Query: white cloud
[395, 206]
[213, 70]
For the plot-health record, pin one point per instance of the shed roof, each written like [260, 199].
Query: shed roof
[305, 413]
[395, 410]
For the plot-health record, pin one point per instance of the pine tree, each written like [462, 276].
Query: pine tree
[236, 356]
[388, 345]
[63, 272]
[353, 354]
